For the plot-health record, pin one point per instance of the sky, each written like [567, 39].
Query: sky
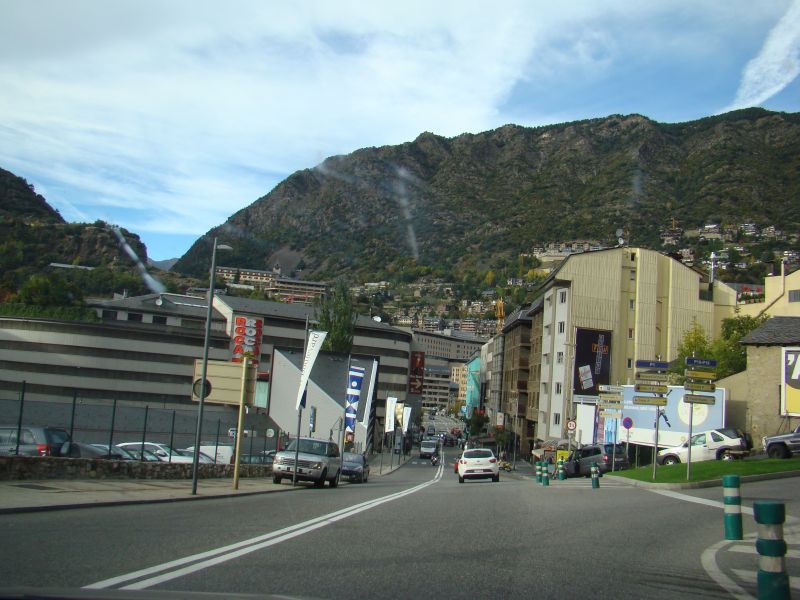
[165, 118]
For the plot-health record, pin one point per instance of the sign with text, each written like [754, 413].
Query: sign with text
[655, 365]
[698, 399]
[246, 338]
[790, 383]
[691, 361]
[592, 362]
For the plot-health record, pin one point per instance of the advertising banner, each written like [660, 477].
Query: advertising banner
[391, 404]
[790, 383]
[406, 418]
[247, 335]
[416, 373]
[592, 363]
[370, 391]
[315, 339]
[354, 380]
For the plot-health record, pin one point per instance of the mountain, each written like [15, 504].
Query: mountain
[448, 205]
[33, 235]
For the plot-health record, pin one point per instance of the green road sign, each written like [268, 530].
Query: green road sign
[698, 399]
[650, 400]
[649, 387]
[699, 387]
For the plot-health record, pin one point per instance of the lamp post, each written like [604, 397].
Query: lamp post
[204, 371]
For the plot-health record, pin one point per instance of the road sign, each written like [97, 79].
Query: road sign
[698, 399]
[614, 389]
[627, 423]
[650, 400]
[611, 414]
[610, 397]
[196, 388]
[571, 425]
[658, 365]
[699, 387]
[691, 361]
[700, 374]
[652, 376]
[613, 405]
[649, 387]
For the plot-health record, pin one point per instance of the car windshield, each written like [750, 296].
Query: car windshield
[478, 454]
[353, 458]
[309, 447]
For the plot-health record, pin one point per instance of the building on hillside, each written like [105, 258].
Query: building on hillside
[514, 393]
[603, 311]
[437, 388]
[765, 398]
[456, 346]
[273, 283]
[781, 296]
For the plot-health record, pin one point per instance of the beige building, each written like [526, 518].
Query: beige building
[458, 375]
[612, 308]
[781, 296]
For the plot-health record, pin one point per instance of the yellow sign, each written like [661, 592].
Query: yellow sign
[645, 376]
[226, 382]
[649, 387]
[699, 387]
[650, 400]
[790, 383]
[700, 374]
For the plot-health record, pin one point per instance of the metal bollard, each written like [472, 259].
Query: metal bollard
[562, 472]
[538, 471]
[732, 497]
[773, 582]
[595, 477]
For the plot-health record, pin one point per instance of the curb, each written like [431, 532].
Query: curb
[690, 485]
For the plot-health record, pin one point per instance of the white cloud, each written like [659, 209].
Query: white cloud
[776, 66]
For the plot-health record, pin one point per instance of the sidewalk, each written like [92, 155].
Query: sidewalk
[54, 494]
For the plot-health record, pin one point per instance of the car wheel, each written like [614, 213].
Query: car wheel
[276, 479]
[321, 481]
[778, 451]
[725, 455]
[671, 460]
[496, 478]
[335, 481]
[460, 479]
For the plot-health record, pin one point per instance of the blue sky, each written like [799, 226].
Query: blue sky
[167, 117]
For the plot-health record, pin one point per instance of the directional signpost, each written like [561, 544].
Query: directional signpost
[700, 377]
[610, 405]
[651, 378]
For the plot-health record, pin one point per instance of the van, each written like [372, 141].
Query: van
[225, 453]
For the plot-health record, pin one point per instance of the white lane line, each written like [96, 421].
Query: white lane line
[232, 551]
[709, 561]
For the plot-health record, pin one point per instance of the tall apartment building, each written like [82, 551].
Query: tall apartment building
[602, 311]
[287, 289]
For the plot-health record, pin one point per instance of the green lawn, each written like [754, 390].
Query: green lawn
[711, 469]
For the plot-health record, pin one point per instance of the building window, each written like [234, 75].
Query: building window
[630, 333]
[633, 275]
[794, 295]
[556, 418]
[546, 359]
[135, 317]
[630, 363]
[633, 256]
[110, 315]
[632, 304]
[561, 327]
[558, 387]
[560, 357]
[159, 320]
[562, 296]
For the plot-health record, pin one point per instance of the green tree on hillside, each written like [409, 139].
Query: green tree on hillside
[337, 315]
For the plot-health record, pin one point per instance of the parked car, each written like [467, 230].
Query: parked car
[202, 458]
[223, 452]
[355, 467]
[33, 440]
[318, 461]
[725, 443]
[428, 448]
[580, 462]
[117, 452]
[79, 450]
[256, 459]
[784, 445]
[162, 451]
[137, 454]
[478, 463]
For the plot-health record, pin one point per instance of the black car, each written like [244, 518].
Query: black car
[33, 441]
[602, 455]
[355, 467]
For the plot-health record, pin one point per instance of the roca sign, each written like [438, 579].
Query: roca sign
[247, 332]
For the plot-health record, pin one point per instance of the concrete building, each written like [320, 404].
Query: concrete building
[457, 346]
[516, 360]
[781, 296]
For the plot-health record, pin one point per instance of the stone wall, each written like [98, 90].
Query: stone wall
[46, 467]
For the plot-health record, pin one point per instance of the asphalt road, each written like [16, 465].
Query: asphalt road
[414, 533]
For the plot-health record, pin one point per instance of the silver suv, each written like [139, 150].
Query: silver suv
[319, 461]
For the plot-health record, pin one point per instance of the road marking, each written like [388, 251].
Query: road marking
[752, 577]
[232, 551]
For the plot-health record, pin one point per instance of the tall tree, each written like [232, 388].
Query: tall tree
[337, 315]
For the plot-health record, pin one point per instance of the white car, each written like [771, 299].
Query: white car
[162, 451]
[725, 443]
[478, 463]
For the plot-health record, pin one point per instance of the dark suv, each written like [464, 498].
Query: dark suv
[582, 459]
[33, 441]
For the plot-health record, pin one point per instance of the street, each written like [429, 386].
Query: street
[414, 533]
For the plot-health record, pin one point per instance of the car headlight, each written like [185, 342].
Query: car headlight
[316, 465]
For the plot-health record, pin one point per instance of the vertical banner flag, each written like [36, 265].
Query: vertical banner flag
[391, 403]
[373, 378]
[592, 363]
[315, 339]
[354, 380]
[406, 418]
[416, 373]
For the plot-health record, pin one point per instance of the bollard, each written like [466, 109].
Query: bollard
[732, 498]
[562, 474]
[538, 471]
[773, 582]
[595, 477]
[545, 476]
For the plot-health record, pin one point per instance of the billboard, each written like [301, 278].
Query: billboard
[416, 373]
[592, 365]
[246, 338]
[790, 383]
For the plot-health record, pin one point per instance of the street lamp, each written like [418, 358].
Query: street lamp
[204, 371]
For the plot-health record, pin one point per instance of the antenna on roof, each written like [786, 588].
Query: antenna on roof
[620, 239]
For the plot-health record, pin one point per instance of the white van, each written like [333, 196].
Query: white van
[225, 453]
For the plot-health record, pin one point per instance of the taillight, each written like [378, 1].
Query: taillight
[605, 457]
[42, 449]
[492, 460]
